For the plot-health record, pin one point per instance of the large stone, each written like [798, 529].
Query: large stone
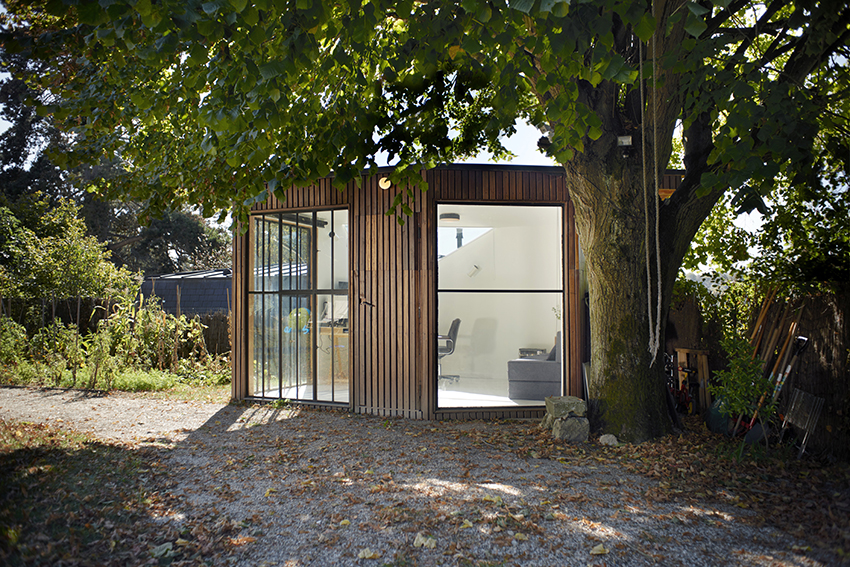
[547, 422]
[566, 406]
[571, 429]
[609, 440]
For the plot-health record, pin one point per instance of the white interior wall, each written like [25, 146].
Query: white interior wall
[523, 251]
[339, 259]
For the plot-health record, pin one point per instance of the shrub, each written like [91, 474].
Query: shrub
[741, 386]
[13, 341]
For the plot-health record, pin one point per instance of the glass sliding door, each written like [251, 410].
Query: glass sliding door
[299, 306]
[499, 274]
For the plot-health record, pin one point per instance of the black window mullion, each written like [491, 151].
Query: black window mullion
[280, 324]
[299, 287]
[263, 271]
[314, 284]
[332, 334]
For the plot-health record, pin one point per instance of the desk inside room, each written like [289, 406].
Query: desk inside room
[332, 354]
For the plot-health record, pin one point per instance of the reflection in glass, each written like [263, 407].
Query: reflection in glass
[299, 306]
[500, 274]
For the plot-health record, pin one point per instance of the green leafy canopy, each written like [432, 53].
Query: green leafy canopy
[221, 102]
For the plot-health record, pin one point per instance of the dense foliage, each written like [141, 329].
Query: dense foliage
[30, 147]
[45, 254]
[136, 346]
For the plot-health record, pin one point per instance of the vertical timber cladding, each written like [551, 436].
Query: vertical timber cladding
[391, 360]
[240, 343]
[393, 295]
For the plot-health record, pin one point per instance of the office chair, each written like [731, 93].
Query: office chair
[446, 349]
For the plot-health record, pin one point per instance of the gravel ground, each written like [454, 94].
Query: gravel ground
[329, 488]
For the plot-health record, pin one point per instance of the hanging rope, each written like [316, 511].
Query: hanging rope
[654, 331]
[655, 342]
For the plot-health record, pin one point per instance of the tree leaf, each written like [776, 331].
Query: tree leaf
[549, 5]
[272, 69]
[698, 9]
[143, 7]
[211, 8]
[367, 553]
[421, 540]
[695, 25]
[645, 27]
[522, 5]
[91, 13]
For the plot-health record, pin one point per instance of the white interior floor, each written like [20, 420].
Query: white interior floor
[450, 394]
[449, 399]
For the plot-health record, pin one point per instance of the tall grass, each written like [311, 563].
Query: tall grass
[137, 347]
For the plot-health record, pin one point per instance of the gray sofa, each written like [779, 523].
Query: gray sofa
[537, 377]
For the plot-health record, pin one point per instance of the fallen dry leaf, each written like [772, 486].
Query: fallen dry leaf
[422, 540]
[599, 550]
[367, 553]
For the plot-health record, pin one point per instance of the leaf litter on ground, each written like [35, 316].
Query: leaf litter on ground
[242, 489]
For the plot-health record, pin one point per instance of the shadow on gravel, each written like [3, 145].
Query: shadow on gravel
[75, 393]
[319, 487]
[66, 499]
[260, 485]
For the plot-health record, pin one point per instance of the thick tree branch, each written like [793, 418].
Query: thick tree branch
[715, 23]
[803, 60]
[757, 30]
[122, 243]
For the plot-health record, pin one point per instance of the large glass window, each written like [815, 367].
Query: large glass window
[299, 306]
[500, 293]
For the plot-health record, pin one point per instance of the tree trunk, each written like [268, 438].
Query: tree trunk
[627, 388]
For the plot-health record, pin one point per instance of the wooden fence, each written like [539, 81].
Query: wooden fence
[824, 369]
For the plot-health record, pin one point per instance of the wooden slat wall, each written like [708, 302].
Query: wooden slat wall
[321, 195]
[239, 355]
[390, 361]
[393, 295]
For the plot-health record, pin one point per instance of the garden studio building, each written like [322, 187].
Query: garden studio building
[473, 308]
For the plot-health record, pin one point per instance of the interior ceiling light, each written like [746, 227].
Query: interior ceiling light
[449, 217]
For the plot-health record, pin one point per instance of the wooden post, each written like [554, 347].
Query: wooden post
[703, 375]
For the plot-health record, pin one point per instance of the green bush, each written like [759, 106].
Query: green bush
[13, 341]
[207, 370]
[741, 386]
[137, 347]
